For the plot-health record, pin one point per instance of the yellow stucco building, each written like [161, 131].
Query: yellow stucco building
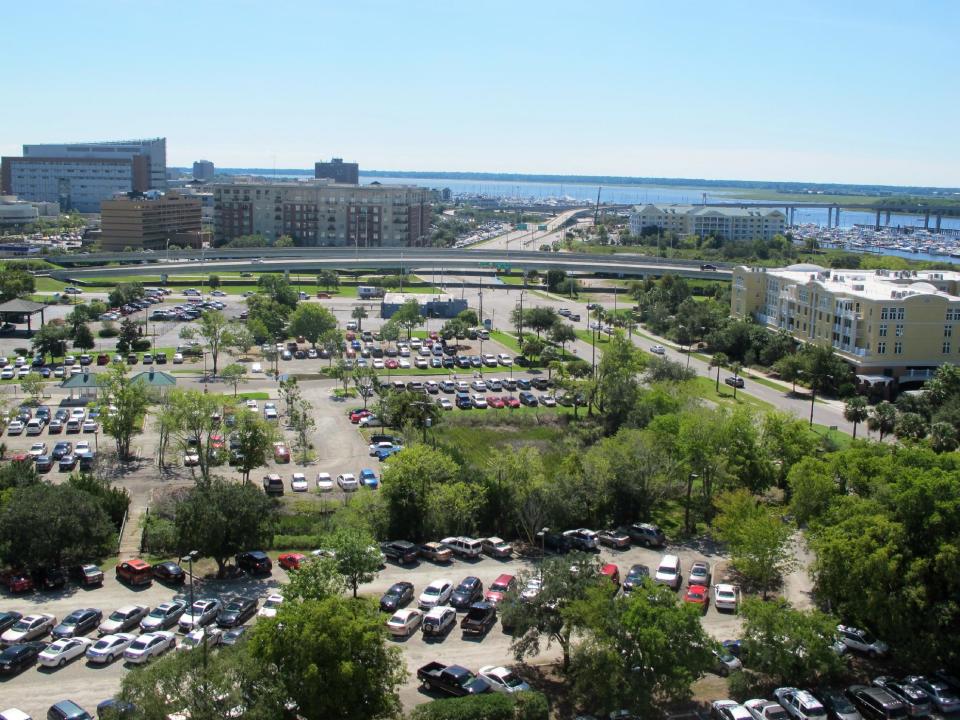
[886, 323]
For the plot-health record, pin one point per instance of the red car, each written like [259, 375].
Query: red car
[103, 359]
[510, 401]
[500, 587]
[434, 335]
[357, 415]
[291, 560]
[323, 296]
[135, 572]
[391, 364]
[495, 402]
[216, 442]
[16, 582]
[280, 452]
[697, 595]
[613, 572]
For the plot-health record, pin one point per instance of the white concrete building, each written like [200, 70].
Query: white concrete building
[731, 223]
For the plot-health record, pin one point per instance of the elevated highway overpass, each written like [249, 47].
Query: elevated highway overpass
[305, 260]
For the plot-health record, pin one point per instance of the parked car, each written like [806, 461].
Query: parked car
[436, 593]
[8, 619]
[403, 622]
[254, 562]
[480, 617]
[502, 679]
[697, 595]
[200, 614]
[272, 484]
[398, 595]
[469, 591]
[915, 700]
[291, 560]
[582, 539]
[454, 680]
[669, 572]
[148, 646]
[135, 572]
[646, 534]
[499, 588]
[123, 619]
[800, 704]
[402, 552]
[438, 621]
[169, 572]
[29, 627]
[348, 482]
[79, 622]
[700, 573]
[109, 648]
[435, 552]
[270, 605]
[876, 703]
[941, 695]
[734, 381]
[861, 641]
[726, 597]
[465, 547]
[237, 611]
[163, 616]
[837, 704]
[59, 653]
[729, 710]
[614, 539]
[19, 656]
[635, 577]
[497, 548]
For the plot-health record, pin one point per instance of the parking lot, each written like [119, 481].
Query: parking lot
[35, 689]
[339, 448]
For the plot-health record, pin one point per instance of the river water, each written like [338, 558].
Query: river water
[638, 194]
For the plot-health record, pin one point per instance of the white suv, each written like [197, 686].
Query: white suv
[800, 704]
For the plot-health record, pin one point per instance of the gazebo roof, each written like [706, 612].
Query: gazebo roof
[154, 378]
[18, 305]
[84, 380]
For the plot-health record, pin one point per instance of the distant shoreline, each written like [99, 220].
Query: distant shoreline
[811, 189]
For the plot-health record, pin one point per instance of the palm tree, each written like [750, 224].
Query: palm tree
[736, 367]
[856, 411]
[943, 437]
[719, 360]
[883, 418]
[359, 313]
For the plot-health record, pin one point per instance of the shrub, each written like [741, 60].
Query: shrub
[490, 706]
[140, 345]
[109, 330]
[296, 542]
[159, 536]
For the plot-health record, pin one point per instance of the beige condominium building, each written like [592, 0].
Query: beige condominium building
[151, 221]
[321, 213]
[732, 223]
[887, 324]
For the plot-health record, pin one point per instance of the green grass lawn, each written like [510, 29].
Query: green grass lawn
[706, 389]
[48, 284]
[478, 443]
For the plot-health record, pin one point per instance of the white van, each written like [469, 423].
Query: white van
[668, 572]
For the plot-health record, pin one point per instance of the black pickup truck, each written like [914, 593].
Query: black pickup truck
[453, 680]
[479, 619]
[553, 541]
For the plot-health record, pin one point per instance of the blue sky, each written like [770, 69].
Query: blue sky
[811, 91]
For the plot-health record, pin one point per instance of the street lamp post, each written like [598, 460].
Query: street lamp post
[189, 558]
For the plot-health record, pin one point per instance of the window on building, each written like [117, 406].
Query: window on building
[883, 313]
[901, 313]
[897, 347]
[883, 329]
[946, 347]
[948, 331]
[899, 329]
[881, 348]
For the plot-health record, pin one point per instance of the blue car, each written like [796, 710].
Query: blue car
[369, 478]
[383, 453]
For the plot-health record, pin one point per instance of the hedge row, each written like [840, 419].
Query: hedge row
[489, 706]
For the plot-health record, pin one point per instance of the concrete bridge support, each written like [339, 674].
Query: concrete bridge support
[837, 221]
[939, 219]
[876, 225]
[829, 217]
[926, 221]
[888, 219]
